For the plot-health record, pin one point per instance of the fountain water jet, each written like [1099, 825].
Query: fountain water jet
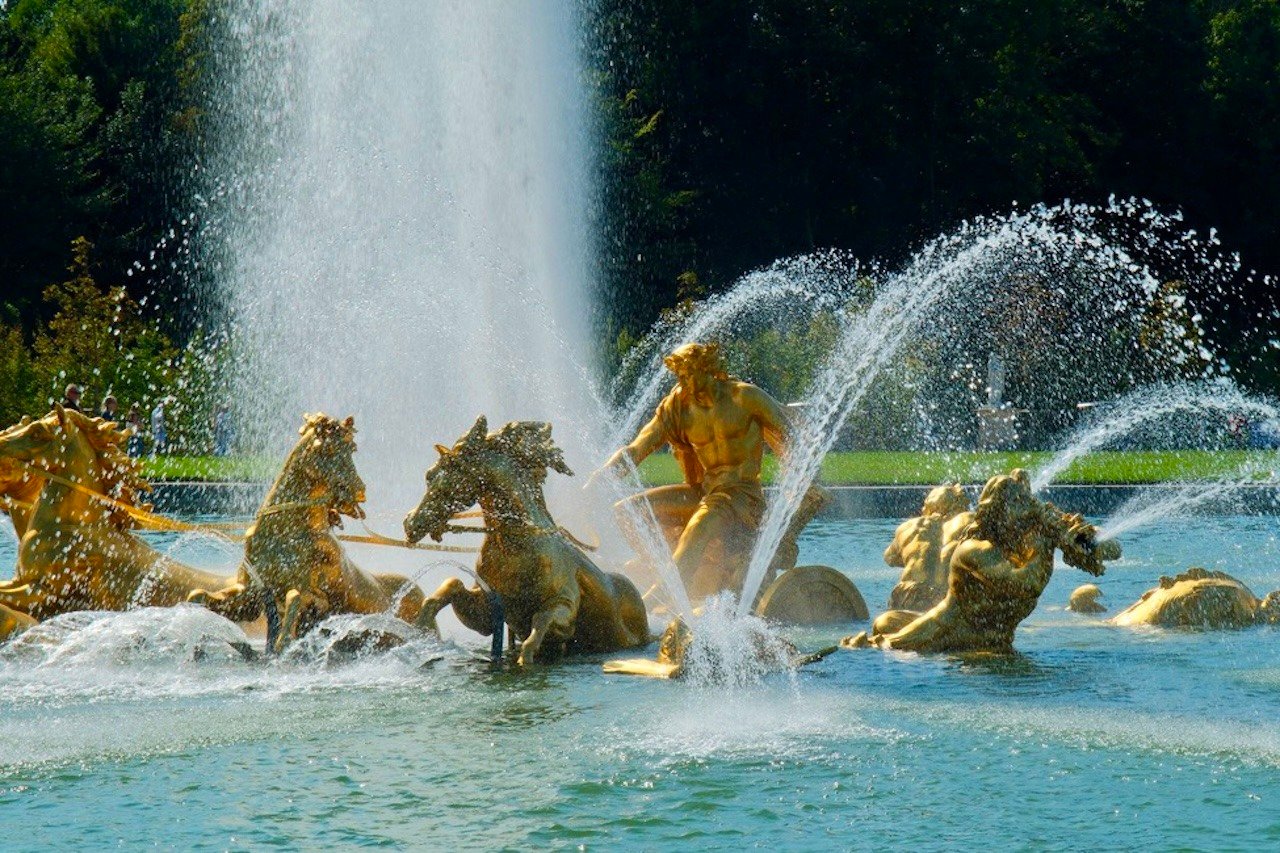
[802, 287]
[1149, 505]
[1122, 416]
[954, 271]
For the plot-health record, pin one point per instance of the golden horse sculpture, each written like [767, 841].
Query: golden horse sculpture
[1200, 598]
[293, 563]
[917, 548]
[76, 551]
[998, 567]
[553, 597]
[20, 487]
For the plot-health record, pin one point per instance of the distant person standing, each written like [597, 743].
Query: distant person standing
[110, 409]
[1238, 430]
[71, 397]
[223, 432]
[133, 427]
[159, 436]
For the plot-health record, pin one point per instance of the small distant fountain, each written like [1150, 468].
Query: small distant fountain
[1152, 504]
[997, 421]
[1121, 417]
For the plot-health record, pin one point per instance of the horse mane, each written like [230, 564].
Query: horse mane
[529, 445]
[324, 427]
[121, 474]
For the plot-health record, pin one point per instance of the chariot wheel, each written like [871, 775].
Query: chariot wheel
[813, 595]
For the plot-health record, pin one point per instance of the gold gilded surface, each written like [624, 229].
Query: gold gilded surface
[75, 550]
[1084, 599]
[999, 566]
[291, 550]
[717, 428]
[917, 548]
[554, 598]
[763, 652]
[1200, 598]
[812, 595]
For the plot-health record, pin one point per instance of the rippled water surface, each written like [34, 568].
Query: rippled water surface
[141, 728]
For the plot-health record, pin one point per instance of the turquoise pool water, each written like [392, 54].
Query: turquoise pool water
[119, 735]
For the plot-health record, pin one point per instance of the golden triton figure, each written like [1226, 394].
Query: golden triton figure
[918, 549]
[998, 566]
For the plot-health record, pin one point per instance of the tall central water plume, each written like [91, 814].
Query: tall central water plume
[409, 236]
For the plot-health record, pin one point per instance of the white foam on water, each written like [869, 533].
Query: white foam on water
[760, 721]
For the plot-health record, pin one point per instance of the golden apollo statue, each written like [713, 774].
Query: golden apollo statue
[717, 427]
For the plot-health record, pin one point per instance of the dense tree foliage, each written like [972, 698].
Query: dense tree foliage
[92, 134]
[733, 132]
[740, 131]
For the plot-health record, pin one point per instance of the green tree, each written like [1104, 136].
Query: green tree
[98, 338]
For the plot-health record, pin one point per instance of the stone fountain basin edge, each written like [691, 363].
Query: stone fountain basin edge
[1095, 500]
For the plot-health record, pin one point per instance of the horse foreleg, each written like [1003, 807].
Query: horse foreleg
[471, 606]
[289, 620]
[299, 606]
[558, 619]
[13, 623]
[235, 602]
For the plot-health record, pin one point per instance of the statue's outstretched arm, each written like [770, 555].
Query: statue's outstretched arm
[649, 439]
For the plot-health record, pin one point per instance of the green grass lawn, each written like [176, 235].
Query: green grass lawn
[210, 468]
[875, 468]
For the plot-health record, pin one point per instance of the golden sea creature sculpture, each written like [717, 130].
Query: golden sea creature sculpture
[552, 596]
[293, 564]
[20, 487]
[75, 550]
[717, 427]
[917, 548]
[999, 566]
[1200, 598]
[1084, 599]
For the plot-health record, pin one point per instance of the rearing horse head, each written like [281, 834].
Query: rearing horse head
[324, 462]
[14, 474]
[67, 442]
[483, 464]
